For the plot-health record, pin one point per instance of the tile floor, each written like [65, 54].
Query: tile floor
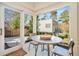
[31, 52]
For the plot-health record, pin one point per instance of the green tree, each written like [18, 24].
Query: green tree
[54, 15]
[65, 16]
[15, 21]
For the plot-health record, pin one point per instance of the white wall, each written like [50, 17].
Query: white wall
[2, 27]
[73, 26]
[78, 26]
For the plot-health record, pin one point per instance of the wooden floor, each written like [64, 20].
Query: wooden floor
[19, 52]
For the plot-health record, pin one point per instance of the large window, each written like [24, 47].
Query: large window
[55, 22]
[63, 22]
[28, 24]
[11, 27]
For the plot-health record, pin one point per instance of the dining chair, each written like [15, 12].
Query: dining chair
[63, 49]
[33, 43]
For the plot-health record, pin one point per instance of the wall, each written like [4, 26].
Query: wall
[73, 26]
[1, 36]
[78, 25]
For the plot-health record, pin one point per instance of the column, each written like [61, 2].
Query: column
[34, 23]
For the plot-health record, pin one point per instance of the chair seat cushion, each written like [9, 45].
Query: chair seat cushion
[61, 51]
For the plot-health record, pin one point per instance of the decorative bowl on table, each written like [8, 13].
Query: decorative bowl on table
[46, 37]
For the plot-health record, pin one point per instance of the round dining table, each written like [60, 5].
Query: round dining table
[53, 40]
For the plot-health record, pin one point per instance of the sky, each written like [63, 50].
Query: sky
[59, 11]
[9, 14]
[27, 19]
[48, 14]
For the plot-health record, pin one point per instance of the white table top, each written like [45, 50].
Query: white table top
[53, 39]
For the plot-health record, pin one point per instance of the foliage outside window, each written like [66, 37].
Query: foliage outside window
[60, 21]
[28, 24]
[12, 23]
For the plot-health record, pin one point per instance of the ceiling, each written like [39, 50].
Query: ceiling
[37, 5]
[34, 6]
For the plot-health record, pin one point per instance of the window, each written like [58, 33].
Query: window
[11, 27]
[55, 22]
[28, 24]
